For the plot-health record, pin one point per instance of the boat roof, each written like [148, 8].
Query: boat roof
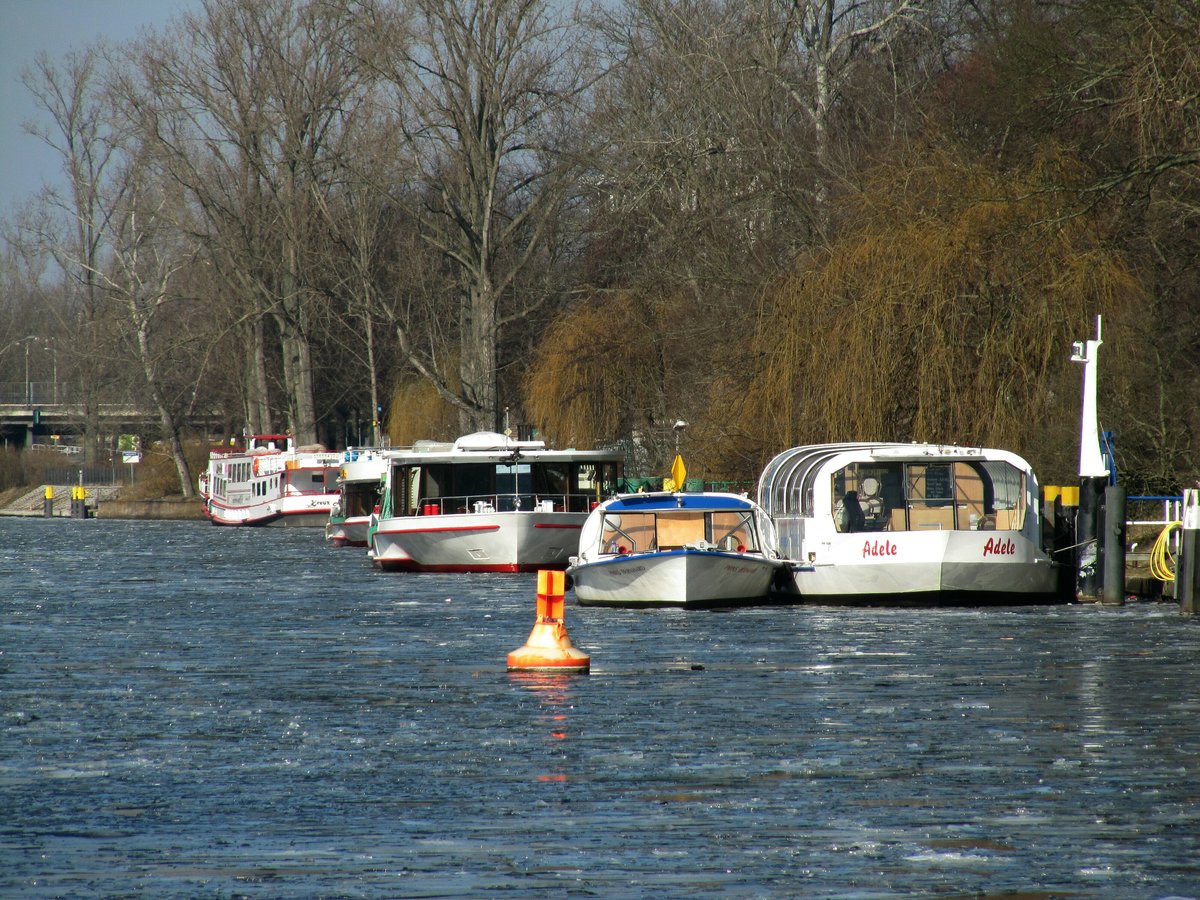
[483, 446]
[789, 470]
[666, 501]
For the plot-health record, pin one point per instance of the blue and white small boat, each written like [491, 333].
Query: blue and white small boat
[676, 549]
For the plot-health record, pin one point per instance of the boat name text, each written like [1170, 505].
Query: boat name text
[999, 547]
[879, 548]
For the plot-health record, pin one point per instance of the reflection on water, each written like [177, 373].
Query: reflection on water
[190, 711]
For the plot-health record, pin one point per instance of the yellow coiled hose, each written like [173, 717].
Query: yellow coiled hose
[1162, 563]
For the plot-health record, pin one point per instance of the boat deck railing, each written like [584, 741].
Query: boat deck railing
[491, 503]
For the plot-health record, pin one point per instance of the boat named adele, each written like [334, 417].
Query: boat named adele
[676, 549]
[914, 524]
[487, 503]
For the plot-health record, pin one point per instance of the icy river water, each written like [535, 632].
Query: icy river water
[187, 711]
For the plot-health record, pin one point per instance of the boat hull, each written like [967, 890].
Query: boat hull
[348, 532]
[296, 512]
[684, 578]
[516, 541]
[936, 568]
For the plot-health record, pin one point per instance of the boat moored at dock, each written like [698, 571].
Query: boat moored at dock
[487, 503]
[918, 524]
[675, 549]
[270, 482]
[360, 485]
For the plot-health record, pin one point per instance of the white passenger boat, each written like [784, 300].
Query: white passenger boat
[675, 549]
[487, 503]
[360, 486]
[909, 524]
[269, 482]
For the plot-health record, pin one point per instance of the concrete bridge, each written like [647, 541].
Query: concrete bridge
[33, 412]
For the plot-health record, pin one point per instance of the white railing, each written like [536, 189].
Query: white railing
[489, 503]
[1172, 511]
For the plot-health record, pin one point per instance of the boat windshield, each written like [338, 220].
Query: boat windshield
[640, 532]
[976, 495]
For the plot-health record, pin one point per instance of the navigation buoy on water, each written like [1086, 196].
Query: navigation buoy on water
[549, 648]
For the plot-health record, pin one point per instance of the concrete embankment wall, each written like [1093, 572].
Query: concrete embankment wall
[149, 509]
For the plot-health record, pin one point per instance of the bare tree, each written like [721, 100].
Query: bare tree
[812, 48]
[147, 256]
[485, 92]
[248, 105]
[86, 136]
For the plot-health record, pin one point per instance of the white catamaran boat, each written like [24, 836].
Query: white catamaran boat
[360, 485]
[909, 523]
[487, 503]
[675, 549]
[268, 482]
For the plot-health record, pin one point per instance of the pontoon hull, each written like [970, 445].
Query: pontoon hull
[949, 567]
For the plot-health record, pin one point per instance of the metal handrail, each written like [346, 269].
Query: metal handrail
[513, 502]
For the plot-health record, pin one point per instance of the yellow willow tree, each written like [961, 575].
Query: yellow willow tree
[417, 411]
[598, 374]
[946, 313]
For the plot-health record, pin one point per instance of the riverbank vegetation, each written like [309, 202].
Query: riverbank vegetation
[781, 222]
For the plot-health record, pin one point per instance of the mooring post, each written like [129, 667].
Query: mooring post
[1050, 503]
[1093, 477]
[1089, 581]
[1187, 569]
[1066, 514]
[48, 502]
[1113, 554]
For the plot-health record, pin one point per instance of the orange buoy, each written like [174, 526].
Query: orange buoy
[549, 648]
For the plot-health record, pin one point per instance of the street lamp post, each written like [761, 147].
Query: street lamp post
[52, 346]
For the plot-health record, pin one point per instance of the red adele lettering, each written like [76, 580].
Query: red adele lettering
[995, 547]
[875, 548]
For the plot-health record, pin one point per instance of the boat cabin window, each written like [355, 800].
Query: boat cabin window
[358, 499]
[491, 486]
[593, 482]
[951, 495]
[639, 532]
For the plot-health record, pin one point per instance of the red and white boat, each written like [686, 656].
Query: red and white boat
[488, 503]
[360, 485]
[269, 482]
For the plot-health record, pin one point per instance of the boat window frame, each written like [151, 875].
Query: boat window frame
[999, 503]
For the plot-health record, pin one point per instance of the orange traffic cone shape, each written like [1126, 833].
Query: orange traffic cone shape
[549, 648]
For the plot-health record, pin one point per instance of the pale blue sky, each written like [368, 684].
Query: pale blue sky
[28, 27]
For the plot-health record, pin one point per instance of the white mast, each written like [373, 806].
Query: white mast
[1091, 459]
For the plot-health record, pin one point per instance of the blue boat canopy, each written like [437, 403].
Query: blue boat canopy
[648, 502]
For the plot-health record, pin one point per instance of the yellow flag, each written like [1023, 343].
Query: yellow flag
[678, 472]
